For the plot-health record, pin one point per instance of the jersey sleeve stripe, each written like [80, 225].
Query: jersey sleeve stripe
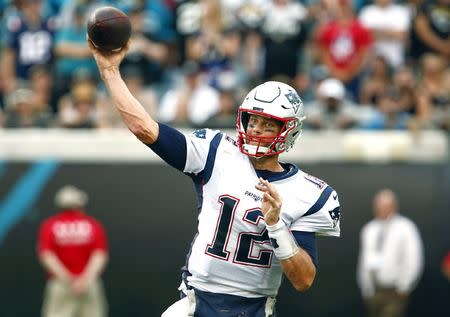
[307, 241]
[207, 172]
[170, 146]
[320, 202]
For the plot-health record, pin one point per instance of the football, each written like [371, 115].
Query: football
[108, 28]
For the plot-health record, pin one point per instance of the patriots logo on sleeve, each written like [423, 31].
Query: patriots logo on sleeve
[201, 134]
[335, 214]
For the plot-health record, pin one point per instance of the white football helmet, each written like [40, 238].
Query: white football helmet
[274, 100]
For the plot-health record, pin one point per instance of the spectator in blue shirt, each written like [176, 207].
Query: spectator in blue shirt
[29, 41]
[71, 50]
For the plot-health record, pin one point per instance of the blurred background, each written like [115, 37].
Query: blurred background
[375, 81]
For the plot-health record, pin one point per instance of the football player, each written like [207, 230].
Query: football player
[258, 217]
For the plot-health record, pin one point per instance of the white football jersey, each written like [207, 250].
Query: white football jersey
[231, 252]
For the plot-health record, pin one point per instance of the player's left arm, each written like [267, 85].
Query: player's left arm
[300, 270]
[296, 263]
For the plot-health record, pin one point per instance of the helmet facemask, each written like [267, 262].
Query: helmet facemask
[267, 146]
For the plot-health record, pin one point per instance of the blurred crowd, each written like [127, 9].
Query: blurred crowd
[357, 64]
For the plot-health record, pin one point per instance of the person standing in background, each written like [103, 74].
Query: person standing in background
[390, 258]
[72, 248]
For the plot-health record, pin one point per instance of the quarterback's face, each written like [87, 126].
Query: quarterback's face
[259, 126]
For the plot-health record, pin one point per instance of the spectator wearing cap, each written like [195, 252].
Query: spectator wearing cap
[191, 102]
[72, 248]
[332, 110]
[79, 109]
[22, 111]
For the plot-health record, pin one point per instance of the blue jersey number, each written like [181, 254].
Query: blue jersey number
[246, 240]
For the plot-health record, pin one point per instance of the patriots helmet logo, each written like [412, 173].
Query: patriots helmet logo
[294, 99]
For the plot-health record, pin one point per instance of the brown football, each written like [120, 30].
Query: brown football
[108, 28]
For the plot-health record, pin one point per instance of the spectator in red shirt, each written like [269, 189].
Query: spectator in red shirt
[343, 46]
[73, 250]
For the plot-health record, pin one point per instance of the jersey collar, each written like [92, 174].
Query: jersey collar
[289, 170]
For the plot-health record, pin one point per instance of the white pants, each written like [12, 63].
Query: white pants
[185, 307]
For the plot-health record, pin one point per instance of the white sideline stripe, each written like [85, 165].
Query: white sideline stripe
[119, 145]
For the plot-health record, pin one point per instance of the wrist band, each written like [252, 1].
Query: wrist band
[283, 242]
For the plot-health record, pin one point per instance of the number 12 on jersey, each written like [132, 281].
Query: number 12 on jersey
[245, 240]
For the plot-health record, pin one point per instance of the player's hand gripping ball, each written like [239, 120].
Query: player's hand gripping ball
[109, 28]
